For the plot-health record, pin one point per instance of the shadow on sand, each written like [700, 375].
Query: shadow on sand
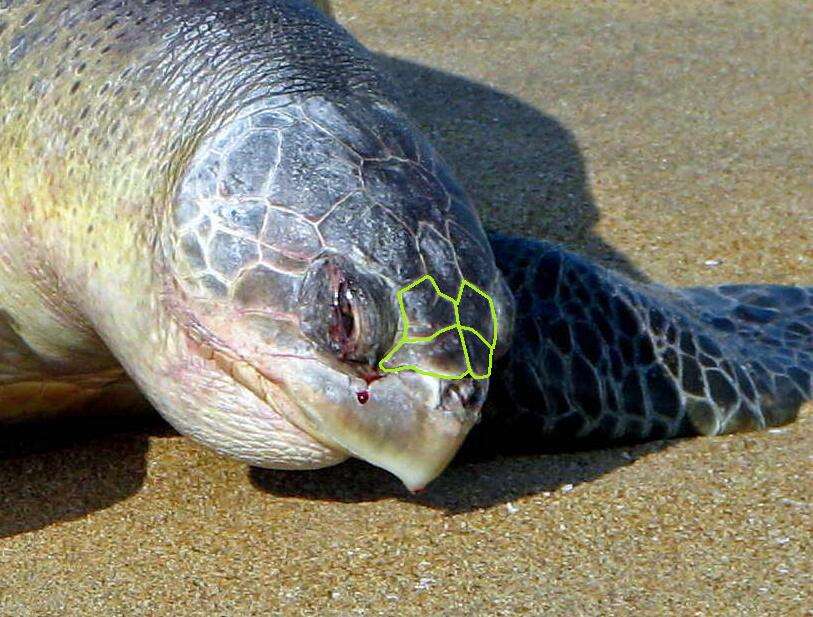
[508, 155]
[504, 152]
[63, 470]
[468, 484]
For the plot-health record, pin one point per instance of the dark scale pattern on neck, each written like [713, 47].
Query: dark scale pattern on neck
[598, 358]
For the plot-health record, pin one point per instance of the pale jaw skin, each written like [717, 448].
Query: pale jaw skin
[299, 413]
[409, 424]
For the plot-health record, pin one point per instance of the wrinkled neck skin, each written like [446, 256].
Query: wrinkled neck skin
[94, 181]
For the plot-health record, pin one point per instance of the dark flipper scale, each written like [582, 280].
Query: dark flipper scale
[598, 358]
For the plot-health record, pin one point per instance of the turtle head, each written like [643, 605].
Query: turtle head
[293, 234]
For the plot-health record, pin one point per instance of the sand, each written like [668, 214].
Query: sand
[672, 140]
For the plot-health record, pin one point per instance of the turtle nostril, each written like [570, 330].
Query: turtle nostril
[466, 393]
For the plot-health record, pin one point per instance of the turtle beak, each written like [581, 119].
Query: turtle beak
[409, 424]
[415, 457]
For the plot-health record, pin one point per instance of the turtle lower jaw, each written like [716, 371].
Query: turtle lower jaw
[412, 439]
[415, 461]
[261, 385]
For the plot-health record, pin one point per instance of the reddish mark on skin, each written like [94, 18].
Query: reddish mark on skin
[364, 395]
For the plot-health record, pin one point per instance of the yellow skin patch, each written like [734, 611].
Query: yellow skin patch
[424, 340]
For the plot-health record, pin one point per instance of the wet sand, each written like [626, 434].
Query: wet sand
[671, 142]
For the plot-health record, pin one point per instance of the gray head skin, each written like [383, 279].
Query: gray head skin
[292, 224]
[240, 199]
[291, 229]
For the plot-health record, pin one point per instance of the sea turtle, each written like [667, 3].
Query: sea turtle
[219, 200]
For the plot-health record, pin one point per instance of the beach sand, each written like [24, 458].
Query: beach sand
[671, 140]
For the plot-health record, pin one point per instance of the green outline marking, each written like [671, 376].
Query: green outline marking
[422, 340]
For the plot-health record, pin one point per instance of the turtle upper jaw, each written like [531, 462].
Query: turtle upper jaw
[405, 423]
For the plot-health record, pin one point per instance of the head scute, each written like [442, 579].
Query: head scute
[460, 328]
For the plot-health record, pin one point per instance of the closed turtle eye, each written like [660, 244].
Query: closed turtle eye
[345, 312]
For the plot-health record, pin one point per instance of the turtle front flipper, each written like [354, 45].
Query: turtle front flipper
[599, 358]
[31, 388]
[770, 329]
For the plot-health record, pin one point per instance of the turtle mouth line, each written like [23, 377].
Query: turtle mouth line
[262, 385]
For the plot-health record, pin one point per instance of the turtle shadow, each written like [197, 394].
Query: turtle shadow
[470, 483]
[65, 469]
[522, 168]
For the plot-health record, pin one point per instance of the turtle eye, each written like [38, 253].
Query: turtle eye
[343, 329]
[347, 312]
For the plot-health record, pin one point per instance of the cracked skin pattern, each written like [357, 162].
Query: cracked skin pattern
[95, 534]
[608, 359]
[339, 180]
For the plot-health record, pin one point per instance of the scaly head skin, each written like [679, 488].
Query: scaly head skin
[292, 228]
[226, 195]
